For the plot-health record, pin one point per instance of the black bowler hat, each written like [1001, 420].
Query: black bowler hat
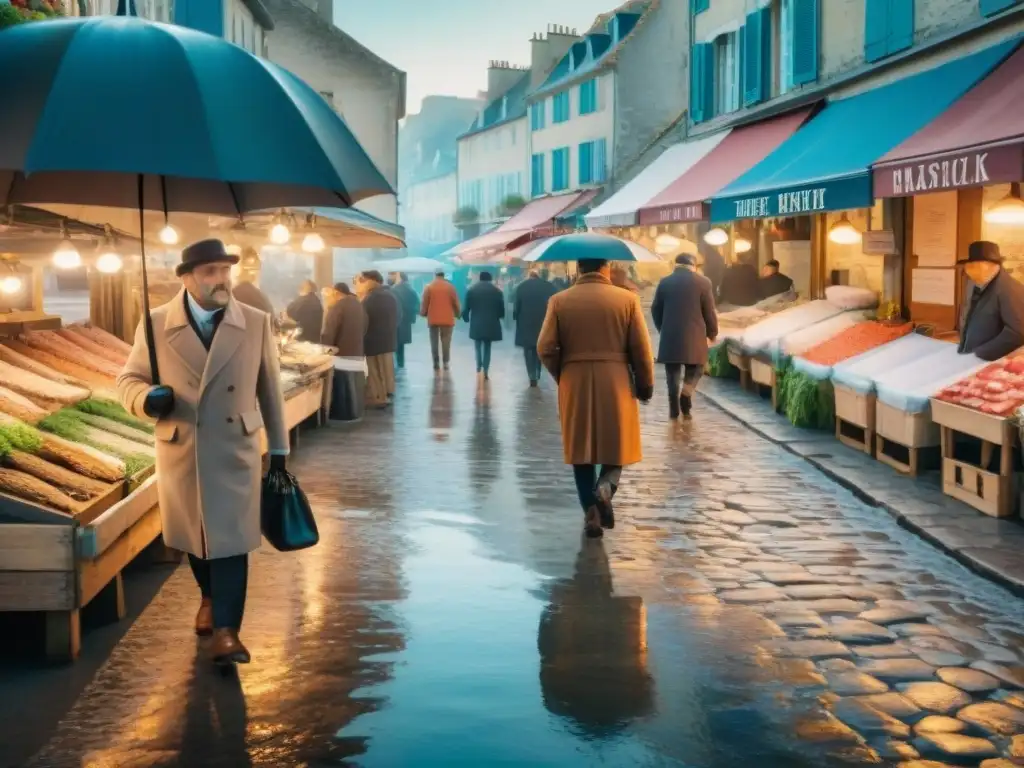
[204, 252]
[982, 250]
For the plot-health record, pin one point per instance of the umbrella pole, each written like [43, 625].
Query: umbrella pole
[147, 318]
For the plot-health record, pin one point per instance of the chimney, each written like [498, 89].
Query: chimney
[547, 49]
[500, 77]
[326, 10]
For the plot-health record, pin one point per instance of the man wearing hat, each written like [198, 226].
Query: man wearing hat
[220, 387]
[993, 325]
[684, 314]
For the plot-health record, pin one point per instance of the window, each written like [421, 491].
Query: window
[588, 97]
[537, 115]
[560, 107]
[701, 5]
[537, 175]
[504, 107]
[756, 41]
[888, 28]
[991, 7]
[702, 82]
[560, 169]
[586, 162]
[727, 73]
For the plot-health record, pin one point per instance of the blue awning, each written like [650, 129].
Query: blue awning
[825, 166]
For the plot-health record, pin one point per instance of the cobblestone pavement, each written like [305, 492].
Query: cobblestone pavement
[745, 611]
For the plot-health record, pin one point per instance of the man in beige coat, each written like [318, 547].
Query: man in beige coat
[595, 344]
[220, 387]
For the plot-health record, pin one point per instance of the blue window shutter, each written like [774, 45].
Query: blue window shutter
[586, 162]
[697, 83]
[601, 161]
[708, 74]
[701, 5]
[990, 7]
[805, 41]
[901, 26]
[755, 39]
[876, 30]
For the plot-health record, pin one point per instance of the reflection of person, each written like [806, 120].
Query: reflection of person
[993, 325]
[531, 304]
[410, 305]
[740, 286]
[773, 282]
[593, 650]
[595, 344]
[440, 306]
[221, 387]
[308, 313]
[382, 317]
[484, 310]
[684, 314]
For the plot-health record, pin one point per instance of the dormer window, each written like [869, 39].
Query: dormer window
[504, 107]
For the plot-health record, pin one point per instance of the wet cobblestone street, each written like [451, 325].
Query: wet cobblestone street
[746, 610]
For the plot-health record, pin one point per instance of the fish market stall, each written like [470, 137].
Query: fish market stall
[307, 373]
[980, 408]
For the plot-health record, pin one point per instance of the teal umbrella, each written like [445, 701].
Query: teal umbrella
[587, 246]
[120, 112]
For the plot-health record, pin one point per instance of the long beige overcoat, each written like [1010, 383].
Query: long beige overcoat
[594, 341]
[208, 453]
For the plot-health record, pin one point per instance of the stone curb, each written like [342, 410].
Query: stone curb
[979, 567]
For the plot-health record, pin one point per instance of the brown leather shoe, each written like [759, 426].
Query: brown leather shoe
[204, 618]
[592, 524]
[226, 648]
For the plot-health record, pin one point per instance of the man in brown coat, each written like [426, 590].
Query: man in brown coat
[595, 344]
[440, 306]
[345, 323]
[221, 386]
[383, 315]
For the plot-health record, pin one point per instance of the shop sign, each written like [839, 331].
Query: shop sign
[842, 194]
[879, 242]
[995, 165]
[670, 214]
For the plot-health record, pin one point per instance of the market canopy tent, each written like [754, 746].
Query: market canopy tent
[620, 210]
[979, 140]
[825, 165]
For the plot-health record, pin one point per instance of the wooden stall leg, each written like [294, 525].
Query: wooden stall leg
[946, 442]
[63, 635]
[110, 601]
[915, 458]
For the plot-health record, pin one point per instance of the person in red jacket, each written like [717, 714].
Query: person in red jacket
[440, 305]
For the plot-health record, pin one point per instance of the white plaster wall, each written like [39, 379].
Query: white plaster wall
[154, 10]
[498, 151]
[241, 28]
[428, 211]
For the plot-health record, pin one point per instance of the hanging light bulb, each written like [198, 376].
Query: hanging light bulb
[279, 233]
[313, 243]
[11, 284]
[742, 245]
[843, 232]
[108, 263]
[716, 236]
[66, 256]
[666, 243]
[168, 235]
[1009, 210]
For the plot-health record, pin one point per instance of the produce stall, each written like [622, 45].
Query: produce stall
[982, 406]
[307, 374]
[732, 321]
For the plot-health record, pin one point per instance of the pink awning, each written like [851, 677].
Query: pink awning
[979, 140]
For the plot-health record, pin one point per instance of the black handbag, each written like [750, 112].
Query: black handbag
[285, 515]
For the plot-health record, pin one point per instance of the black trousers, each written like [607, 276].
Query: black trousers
[681, 379]
[533, 364]
[225, 581]
[587, 477]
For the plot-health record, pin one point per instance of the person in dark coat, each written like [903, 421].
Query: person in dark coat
[531, 304]
[993, 325]
[345, 324]
[773, 282]
[307, 312]
[484, 311]
[714, 266]
[684, 314]
[383, 315]
[409, 303]
[740, 284]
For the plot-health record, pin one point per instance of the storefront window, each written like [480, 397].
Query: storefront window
[848, 264]
[1009, 237]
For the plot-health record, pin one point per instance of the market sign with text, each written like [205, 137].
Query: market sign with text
[670, 214]
[833, 195]
[951, 170]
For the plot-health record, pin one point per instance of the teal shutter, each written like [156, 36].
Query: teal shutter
[990, 7]
[756, 57]
[697, 83]
[586, 162]
[876, 30]
[708, 75]
[805, 41]
[601, 161]
[701, 5]
[901, 25]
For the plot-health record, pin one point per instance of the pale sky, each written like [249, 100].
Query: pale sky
[444, 45]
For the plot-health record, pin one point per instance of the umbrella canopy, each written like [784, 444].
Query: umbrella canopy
[413, 265]
[588, 246]
[104, 105]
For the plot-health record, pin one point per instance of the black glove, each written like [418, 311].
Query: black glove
[278, 463]
[644, 394]
[159, 402]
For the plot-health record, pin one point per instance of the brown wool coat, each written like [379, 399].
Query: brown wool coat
[594, 341]
[208, 455]
[440, 303]
[345, 327]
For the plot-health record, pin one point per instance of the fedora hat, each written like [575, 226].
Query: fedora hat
[982, 250]
[204, 252]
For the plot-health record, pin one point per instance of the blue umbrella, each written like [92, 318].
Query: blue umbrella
[120, 112]
[588, 246]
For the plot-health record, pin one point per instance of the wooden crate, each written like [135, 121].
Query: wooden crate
[762, 373]
[855, 419]
[914, 432]
[742, 362]
[994, 493]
